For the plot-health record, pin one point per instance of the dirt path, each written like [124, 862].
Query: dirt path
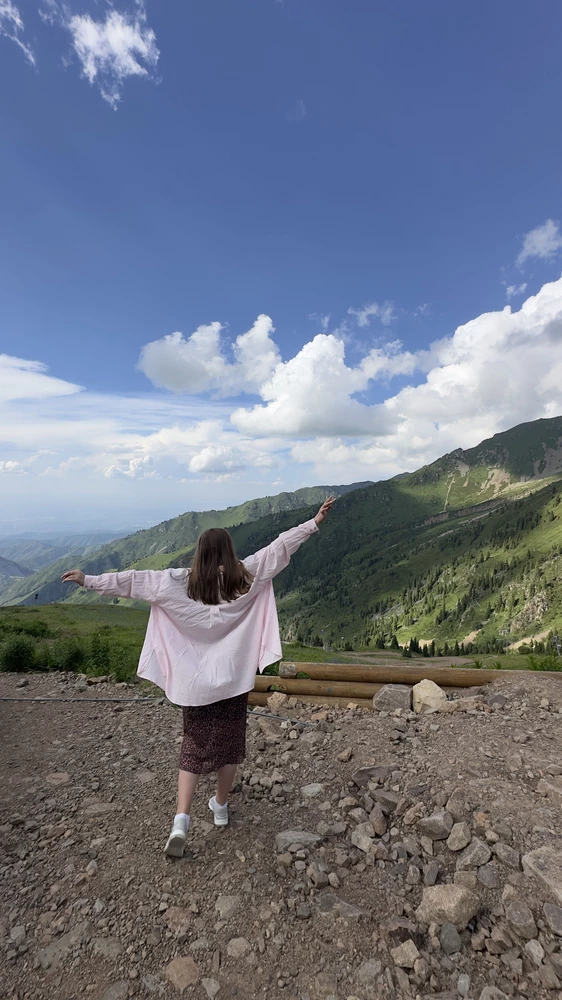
[91, 907]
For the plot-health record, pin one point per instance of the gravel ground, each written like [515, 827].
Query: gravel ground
[370, 855]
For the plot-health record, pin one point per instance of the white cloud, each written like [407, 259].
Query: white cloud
[12, 27]
[21, 379]
[198, 364]
[514, 290]
[544, 242]
[112, 49]
[13, 467]
[384, 312]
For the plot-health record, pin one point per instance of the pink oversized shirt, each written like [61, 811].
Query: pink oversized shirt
[201, 653]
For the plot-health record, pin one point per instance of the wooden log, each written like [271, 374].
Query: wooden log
[398, 674]
[340, 689]
[260, 698]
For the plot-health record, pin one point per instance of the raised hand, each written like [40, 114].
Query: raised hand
[74, 576]
[325, 508]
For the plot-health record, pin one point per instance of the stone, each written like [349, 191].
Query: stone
[346, 755]
[287, 838]
[456, 804]
[477, 853]
[50, 956]
[551, 787]
[507, 855]
[459, 837]
[328, 904]
[449, 939]
[489, 876]
[492, 993]
[177, 919]
[545, 863]
[238, 947]
[226, 906]
[117, 991]
[535, 951]
[17, 935]
[520, 919]
[211, 987]
[58, 778]
[393, 696]
[375, 772]
[427, 697]
[109, 947]
[387, 800]
[312, 791]
[92, 868]
[463, 985]
[369, 972]
[447, 903]
[405, 954]
[553, 916]
[548, 977]
[438, 826]
[362, 837]
[182, 972]
[276, 702]
[377, 819]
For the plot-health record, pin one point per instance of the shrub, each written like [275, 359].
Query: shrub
[18, 654]
[67, 654]
[545, 663]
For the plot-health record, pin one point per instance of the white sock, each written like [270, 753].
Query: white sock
[183, 816]
[217, 806]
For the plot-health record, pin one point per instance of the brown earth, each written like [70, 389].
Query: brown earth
[91, 907]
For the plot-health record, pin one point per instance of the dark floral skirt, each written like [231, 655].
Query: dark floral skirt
[214, 735]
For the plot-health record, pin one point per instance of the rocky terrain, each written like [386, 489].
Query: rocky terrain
[370, 855]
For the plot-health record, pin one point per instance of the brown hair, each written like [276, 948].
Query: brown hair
[216, 572]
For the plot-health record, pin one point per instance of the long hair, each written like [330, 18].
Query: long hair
[216, 572]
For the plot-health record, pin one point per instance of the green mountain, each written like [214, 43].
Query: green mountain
[11, 571]
[155, 548]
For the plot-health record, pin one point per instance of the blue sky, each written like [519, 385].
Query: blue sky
[370, 192]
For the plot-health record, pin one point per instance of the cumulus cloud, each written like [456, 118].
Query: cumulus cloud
[12, 27]
[513, 290]
[112, 49]
[543, 242]
[23, 379]
[198, 364]
[384, 312]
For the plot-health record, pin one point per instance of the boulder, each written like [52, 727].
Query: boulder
[286, 838]
[438, 826]
[393, 696]
[545, 863]
[427, 697]
[452, 904]
[520, 919]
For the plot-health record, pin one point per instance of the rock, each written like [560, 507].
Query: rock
[545, 863]
[182, 972]
[393, 696]
[463, 985]
[520, 919]
[177, 919]
[109, 947]
[226, 906]
[92, 868]
[496, 700]
[312, 791]
[427, 697]
[328, 904]
[346, 755]
[535, 951]
[22, 683]
[548, 977]
[145, 777]
[477, 853]
[17, 935]
[117, 991]
[492, 993]
[276, 702]
[58, 778]
[238, 947]
[375, 772]
[377, 819]
[456, 804]
[553, 917]
[287, 838]
[449, 939]
[369, 972]
[50, 956]
[362, 837]
[387, 800]
[459, 837]
[438, 826]
[447, 904]
[405, 954]
[507, 855]
[489, 876]
[211, 987]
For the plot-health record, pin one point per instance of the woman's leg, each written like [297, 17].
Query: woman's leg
[225, 781]
[187, 782]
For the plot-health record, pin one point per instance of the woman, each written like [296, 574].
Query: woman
[210, 629]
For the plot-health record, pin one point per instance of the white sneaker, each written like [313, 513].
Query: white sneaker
[175, 844]
[219, 812]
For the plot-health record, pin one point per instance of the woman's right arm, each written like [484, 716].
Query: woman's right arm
[272, 559]
[138, 584]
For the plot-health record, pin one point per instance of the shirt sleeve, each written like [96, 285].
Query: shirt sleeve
[139, 584]
[271, 560]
